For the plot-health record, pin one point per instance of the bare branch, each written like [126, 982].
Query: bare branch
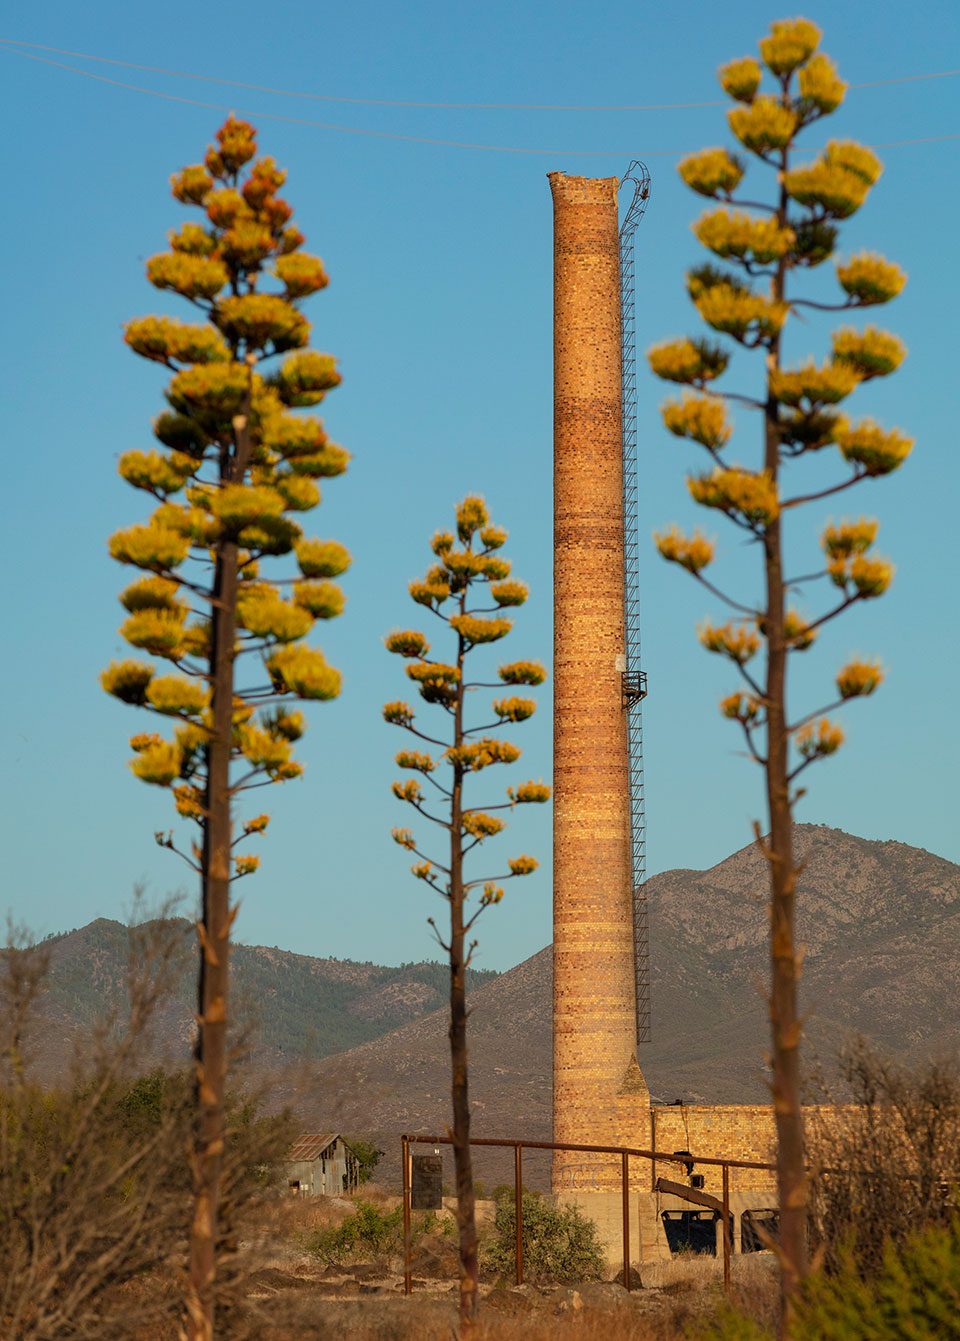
[727, 600]
[832, 614]
[824, 493]
[810, 716]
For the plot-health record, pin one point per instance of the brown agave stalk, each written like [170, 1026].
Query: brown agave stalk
[238, 461]
[800, 416]
[465, 571]
[216, 920]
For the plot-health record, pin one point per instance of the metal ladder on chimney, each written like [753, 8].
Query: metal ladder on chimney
[634, 679]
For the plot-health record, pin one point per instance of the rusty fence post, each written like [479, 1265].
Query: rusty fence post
[726, 1228]
[518, 1206]
[625, 1180]
[653, 1147]
[407, 1280]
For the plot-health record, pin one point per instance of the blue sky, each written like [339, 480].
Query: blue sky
[439, 310]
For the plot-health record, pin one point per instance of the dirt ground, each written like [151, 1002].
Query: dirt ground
[294, 1295]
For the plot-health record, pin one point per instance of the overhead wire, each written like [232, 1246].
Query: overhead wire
[448, 106]
[415, 139]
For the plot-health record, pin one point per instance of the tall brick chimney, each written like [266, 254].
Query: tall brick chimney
[593, 975]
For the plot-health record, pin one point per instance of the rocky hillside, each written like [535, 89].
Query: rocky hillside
[292, 1005]
[881, 924]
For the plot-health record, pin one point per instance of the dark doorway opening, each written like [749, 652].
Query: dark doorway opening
[754, 1225]
[691, 1231]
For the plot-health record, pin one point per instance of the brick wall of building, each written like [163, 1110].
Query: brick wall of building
[720, 1132]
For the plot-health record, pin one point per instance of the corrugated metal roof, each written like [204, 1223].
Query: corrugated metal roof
[311, 1147]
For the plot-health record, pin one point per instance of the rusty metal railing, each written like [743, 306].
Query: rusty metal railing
[625, 1153]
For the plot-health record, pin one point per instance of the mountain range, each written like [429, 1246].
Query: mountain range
[880, 922]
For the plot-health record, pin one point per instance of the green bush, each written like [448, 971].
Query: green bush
[559, 1243]
[505, 1192]
[916, 1295]
[368, 1156]
[366, 1233]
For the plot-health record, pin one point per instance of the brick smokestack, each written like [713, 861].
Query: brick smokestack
[593, 978]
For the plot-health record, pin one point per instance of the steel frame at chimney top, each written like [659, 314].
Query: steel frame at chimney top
[634, 679]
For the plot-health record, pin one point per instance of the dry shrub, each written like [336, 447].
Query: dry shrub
[886, 1165]
[95, 1174]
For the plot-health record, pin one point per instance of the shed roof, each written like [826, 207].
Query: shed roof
[311, 1147]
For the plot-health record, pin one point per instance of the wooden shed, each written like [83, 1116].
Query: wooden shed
[322, 1166]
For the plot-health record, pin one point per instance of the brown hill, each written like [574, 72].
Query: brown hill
[881, 924]
[292, 1005]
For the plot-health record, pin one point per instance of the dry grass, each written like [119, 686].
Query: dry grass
[287, 1217]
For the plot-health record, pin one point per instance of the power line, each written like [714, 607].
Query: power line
[448, 106]
[412, 139]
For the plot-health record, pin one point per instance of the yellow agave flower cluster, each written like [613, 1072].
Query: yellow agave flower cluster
[481, 753]
[811, 386]
[789, 44]
[473, 629]
[821, 88]
[869, 279]
[870, 353]
[528, 792]
[735, 233]
[711, 172]
[875, 450]
[514, 709]
[739, 707]
[702, 418]
[789, 49]
[818, 739]
[691, 361]
[835, 185]
[765, 125]
[858, 678]
[480, 826]
[736, 311]
[797, 633]
[209, 496]
[744, 495]
[468, 566]
[851, 568]
[738, 642]
[691, 552]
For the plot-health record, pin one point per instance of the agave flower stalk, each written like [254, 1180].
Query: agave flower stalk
[236, 461]
[468, 567]
[771, 245]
